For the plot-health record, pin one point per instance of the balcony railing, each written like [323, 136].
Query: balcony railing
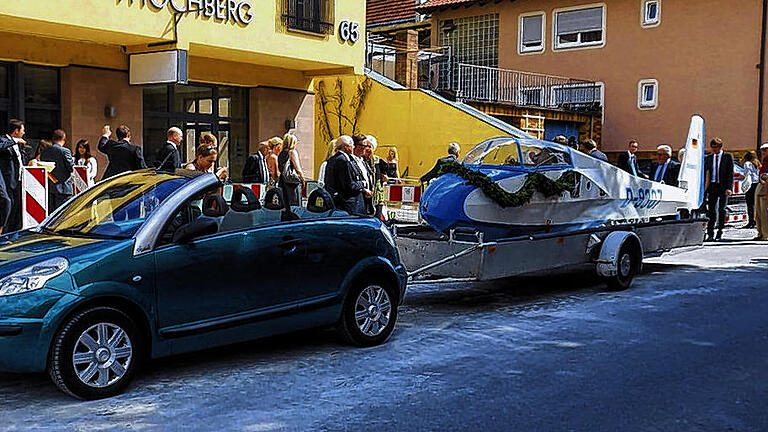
[434, 64]
[313, 16]
[487, 84]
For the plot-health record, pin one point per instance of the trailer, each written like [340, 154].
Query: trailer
[616, 251]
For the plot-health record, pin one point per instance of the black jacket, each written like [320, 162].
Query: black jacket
[9, 163]
[168, 158]
[344, 183]
[623, 163]
[123, 156]
[440, 162]
[255, 170]
[725, 179]
[63, 170]
[670, 175]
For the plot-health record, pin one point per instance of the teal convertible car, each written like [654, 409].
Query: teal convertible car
[150, 264]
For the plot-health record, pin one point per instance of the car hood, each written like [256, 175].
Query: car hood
[25, 247]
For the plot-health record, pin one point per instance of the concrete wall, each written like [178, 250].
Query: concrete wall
[85, 92]
[419, 125]
[703, 55]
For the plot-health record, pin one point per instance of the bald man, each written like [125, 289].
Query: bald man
[168, 158]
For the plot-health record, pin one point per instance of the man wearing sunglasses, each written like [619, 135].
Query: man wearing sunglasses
[718, 177]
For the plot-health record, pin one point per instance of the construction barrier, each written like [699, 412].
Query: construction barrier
[402, 202]
[34, 196]
[80, 178]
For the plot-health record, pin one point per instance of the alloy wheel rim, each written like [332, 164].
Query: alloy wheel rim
[102, 355]
[373, 310]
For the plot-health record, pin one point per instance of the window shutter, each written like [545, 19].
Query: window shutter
[532, 29]
[580, 20]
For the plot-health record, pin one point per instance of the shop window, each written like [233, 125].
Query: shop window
[579, 27]
[30, 93]
[156, 98]
[532, 32]
[647, 94]
[312, 16]
[651, 13]
[3, 81]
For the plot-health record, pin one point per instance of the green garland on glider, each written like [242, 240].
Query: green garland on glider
[534, 182]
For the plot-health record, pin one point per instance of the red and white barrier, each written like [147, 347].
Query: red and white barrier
[403, 194]
[733, 218]
[34, 196]
[80, 178]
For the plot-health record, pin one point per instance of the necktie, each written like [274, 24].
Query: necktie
[632, 164]
[264, 170]
[716, 169]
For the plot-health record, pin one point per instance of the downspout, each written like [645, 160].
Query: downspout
[761, 84]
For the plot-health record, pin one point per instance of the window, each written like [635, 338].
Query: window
[312, 16]
[581, 27]
[532, 32]
[473, 40]
[30, 93]
[647, 94]
[651, 13]
[535, 155]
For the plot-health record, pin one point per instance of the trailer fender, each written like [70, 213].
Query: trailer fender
[608, 260]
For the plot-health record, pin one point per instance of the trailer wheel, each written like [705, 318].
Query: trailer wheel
[628, 265]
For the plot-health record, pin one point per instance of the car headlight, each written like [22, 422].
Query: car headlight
[33, 277]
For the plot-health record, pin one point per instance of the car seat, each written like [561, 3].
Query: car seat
[215, 206]
[319, 205]
[241, 214]
[275, 209]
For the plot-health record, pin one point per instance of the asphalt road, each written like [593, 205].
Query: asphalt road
[686, 349]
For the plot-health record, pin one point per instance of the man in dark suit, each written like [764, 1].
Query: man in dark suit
[590, 147]
[343, 181]
[718, 176]
[453, 156]
[60, 185]
[12, 158]
[123, 156]
[255, 170]
[168, 158]
[628, 160]
[665, 170]
[10, 171]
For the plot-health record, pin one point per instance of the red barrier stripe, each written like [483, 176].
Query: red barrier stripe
[34, 208]
[395, 193]
[417, 194]
[39, 175]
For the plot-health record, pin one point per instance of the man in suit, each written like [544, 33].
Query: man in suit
[255, 170]
[60, 181]
[168, 157]
[665, 170]
[344, 181]
[123, 156]
[628, 160]
[12, 158]
[590, 147]
[453, 156]
[718, 176]
[359, 151]
[10, 171]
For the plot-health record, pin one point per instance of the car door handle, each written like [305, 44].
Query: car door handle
[291, 245]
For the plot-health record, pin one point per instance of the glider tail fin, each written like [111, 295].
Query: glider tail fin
[692, 163]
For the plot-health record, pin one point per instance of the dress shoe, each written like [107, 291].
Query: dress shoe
[709, 239]
[719, 236]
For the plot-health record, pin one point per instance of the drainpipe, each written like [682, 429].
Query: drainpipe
[761, 84]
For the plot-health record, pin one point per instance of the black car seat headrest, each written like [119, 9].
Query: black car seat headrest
[215, 206]
[320, 201]
[252, 201]
[274, 200]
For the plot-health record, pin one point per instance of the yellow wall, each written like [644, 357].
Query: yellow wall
[419, 125]
[133, 24]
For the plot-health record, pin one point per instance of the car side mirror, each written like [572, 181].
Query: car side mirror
[199, 227]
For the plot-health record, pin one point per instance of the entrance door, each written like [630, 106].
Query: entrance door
[192, 133]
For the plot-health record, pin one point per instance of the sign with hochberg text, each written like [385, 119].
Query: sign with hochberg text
[235, 11]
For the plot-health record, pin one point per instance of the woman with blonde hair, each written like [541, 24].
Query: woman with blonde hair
[291, 176]
[389, 166]
[205, 158]
[275, 148]
[332, 150]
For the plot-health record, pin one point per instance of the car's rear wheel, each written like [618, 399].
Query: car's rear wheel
[369, 314]
[95, 354]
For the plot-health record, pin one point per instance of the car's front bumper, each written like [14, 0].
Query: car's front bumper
[402, 280]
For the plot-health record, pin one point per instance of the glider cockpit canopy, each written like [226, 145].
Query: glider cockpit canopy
[513, 152]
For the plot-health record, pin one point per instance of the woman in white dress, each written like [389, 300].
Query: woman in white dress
[84, 158]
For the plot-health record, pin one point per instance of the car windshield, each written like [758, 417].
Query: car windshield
[116, 208]
[498, 151]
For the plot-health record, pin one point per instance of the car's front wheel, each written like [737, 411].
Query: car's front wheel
[369, 314]
[95, 354]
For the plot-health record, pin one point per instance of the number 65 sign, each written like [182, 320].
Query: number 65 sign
[349, 31]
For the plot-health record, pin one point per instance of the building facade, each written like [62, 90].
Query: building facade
[655, 62]
[240, 69]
